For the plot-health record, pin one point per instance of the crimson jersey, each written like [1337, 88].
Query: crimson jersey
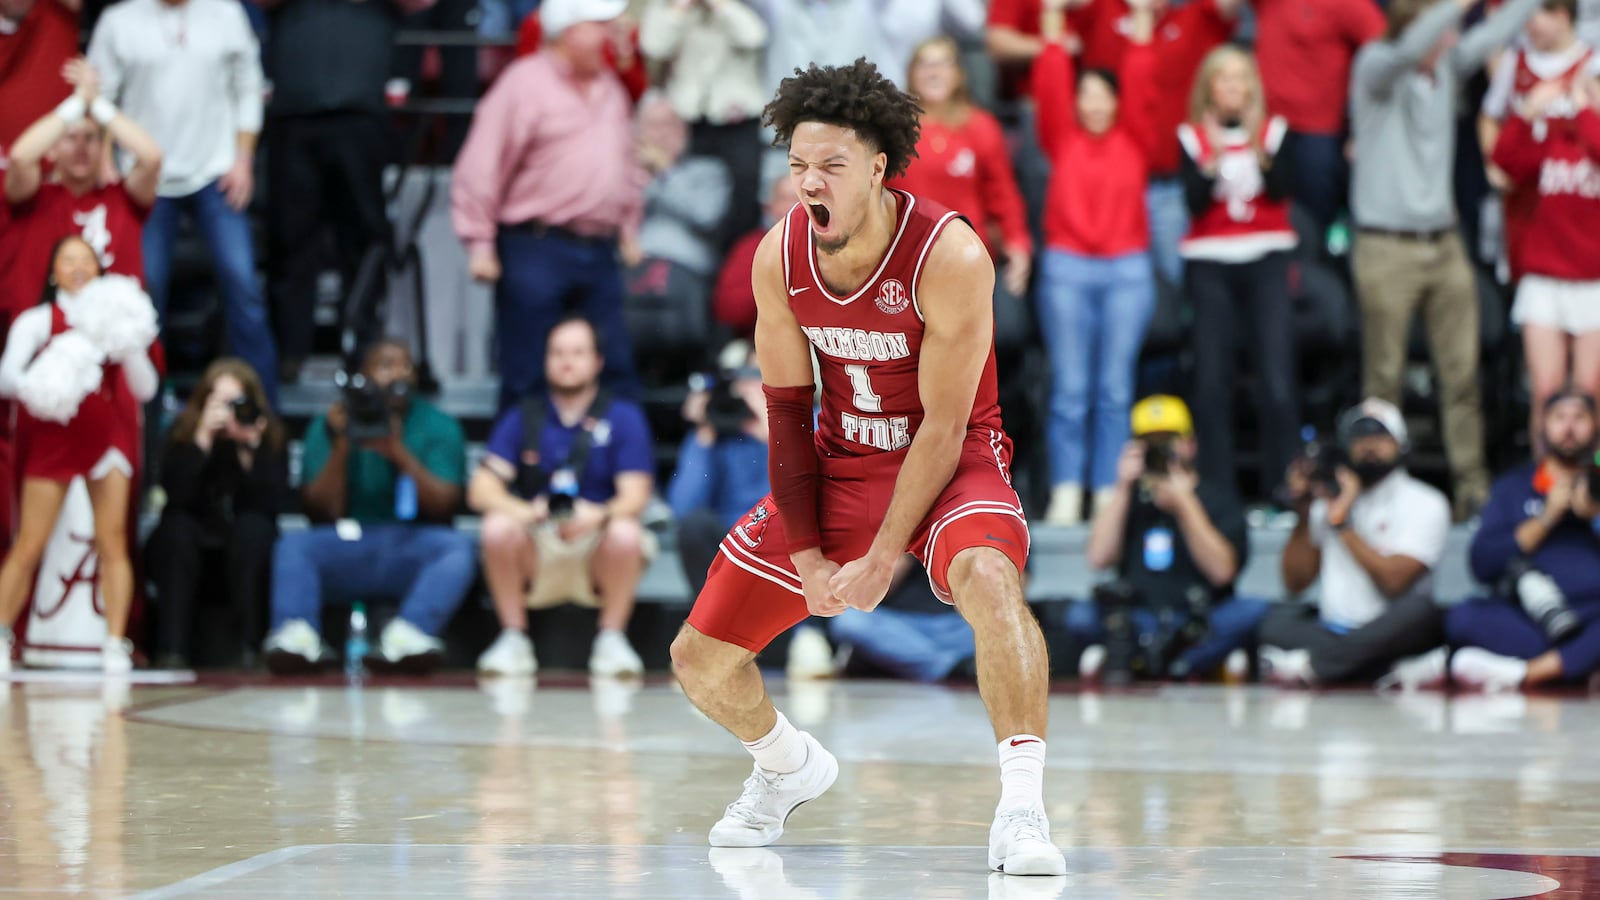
[869, 343]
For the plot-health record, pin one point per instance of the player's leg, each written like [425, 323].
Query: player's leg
[975, 548]
[749, 598]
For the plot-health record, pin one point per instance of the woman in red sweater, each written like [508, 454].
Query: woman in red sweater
[1558, 299]
[962, 161]
[1236, 264]
[1096, 286]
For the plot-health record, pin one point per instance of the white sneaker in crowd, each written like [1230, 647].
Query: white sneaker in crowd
[810, 654]
[1091, 662]
[510, 654]
[1066, 505]
[756, 819]
[613, 656]
[1019, 844]
[1236, 668]
[1478, 668]
[405, 648]
[1418, 672]
[294, 648]
[1286, 668]
[116, 656]
[8, 643]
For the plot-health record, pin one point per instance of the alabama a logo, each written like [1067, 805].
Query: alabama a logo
[893, 298]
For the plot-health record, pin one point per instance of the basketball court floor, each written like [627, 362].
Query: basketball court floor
[561, 789]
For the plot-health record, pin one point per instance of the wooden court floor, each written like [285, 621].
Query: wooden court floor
[562, 789]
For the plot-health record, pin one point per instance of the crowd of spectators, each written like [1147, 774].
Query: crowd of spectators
[1135, 167]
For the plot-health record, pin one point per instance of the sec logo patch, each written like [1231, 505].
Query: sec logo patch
[893, 298]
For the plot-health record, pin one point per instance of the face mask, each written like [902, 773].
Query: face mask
[1372, 471]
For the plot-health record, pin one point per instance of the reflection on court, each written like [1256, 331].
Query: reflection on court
[565, 789]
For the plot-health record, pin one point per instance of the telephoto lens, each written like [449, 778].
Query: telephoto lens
[1545, 604]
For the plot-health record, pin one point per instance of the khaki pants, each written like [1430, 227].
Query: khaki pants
[1395, 277]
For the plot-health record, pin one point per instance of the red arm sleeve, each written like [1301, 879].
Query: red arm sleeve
[792, 464]
[1002, 202]
[1139, 110]
[634, 77]
[1055, 97]
[530, 34]
[1516, 152]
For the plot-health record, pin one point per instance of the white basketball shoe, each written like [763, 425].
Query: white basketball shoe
[1019, 844]
[756, 819]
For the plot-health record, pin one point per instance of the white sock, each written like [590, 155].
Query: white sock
[1022, 772]
[782, 750]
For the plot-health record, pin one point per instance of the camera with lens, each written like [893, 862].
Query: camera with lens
[1132, 655]
[370, 408]
[562, 494]
[246, 411]
[1159, 454]
[1541, 598]
[726, 410]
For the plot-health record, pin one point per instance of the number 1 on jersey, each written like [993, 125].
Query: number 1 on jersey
[864, 400]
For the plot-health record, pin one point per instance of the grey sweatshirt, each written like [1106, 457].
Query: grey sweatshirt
[1403, 119]
[682, 208]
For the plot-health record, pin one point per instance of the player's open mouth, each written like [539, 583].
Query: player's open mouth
[819, 215]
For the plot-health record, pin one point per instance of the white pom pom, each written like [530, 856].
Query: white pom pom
[65, 372]
[115, 314]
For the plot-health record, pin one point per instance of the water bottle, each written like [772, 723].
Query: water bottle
[356, 645]
[405, 499]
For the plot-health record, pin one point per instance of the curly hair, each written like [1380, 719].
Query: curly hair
[857, 97]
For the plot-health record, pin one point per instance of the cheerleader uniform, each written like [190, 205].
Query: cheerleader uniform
[104, 435]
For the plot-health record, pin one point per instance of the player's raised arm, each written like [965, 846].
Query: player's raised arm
[954, 297]
[792, 465]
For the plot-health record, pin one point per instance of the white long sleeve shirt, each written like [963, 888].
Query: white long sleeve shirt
[190, 74]
[715, 52]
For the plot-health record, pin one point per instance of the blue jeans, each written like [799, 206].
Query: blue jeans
[544, 277]
[1169, 222]
[430, 567]
[1232, 622]
[1093, 312]
[1321, 175]
[227, 235]
[913, 645]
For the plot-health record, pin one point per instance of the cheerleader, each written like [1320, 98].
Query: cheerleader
[79, 368]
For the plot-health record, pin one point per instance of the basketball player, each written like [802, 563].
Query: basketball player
[893, 293]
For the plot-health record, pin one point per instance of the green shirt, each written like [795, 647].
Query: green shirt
[433, 437]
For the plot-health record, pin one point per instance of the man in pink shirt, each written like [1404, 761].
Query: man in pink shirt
[545, 185]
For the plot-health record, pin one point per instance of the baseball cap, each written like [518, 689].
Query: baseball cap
[1161, 414]
[557, 16]
[1373, 416]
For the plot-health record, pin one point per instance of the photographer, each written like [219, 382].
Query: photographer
[1369, 535]
[1177, 544]
[382, 473]
[225, 478]
[566, 478]
[1538, 551]
[722, 465]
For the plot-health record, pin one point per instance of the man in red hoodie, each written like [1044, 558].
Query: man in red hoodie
[1305, 48]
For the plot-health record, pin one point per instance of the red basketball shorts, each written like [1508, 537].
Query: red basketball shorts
[752, 593]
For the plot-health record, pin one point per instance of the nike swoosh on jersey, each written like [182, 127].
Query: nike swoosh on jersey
[794, 291]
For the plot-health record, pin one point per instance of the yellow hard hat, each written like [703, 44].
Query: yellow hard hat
[1161, 414]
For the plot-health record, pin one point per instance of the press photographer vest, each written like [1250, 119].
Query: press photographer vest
[533, 477]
